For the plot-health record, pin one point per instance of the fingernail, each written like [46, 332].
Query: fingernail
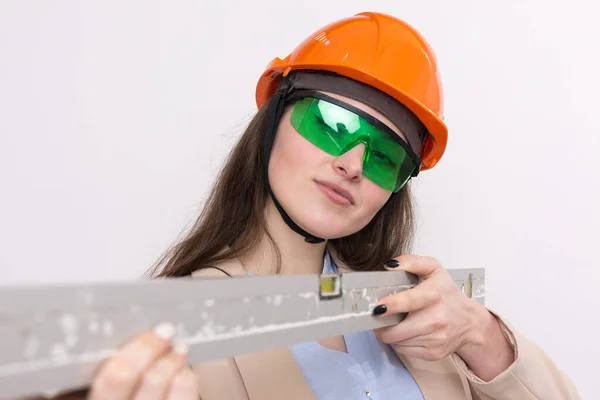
[180, 348]
[165, 330]
[392, 264]
[380, 309]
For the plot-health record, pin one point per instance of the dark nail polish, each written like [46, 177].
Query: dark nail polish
[392, 264]
[380, 309]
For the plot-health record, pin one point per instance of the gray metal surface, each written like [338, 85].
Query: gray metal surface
[54, 337]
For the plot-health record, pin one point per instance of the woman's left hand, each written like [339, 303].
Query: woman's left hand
[441, 320]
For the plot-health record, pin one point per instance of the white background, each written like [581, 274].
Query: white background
[114, 117]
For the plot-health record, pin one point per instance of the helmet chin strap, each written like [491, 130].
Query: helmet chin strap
[274, 112]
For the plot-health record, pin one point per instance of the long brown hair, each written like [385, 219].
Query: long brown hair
[232, 221]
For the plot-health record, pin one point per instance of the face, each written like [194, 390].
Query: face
[325, 195]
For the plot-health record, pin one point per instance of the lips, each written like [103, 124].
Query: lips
[337, 189]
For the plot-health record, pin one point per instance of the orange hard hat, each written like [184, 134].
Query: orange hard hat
[378, 50]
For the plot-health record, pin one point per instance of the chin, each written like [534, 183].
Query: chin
[327, 226]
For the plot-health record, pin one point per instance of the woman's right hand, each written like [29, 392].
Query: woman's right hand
[149, 367]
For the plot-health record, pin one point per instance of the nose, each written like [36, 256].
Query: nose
[350, 164]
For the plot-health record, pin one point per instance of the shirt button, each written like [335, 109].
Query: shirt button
[367, 393]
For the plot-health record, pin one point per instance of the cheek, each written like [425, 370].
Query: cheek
[374, 198]
[292, 157]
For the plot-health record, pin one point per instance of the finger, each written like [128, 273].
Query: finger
[421, 266]
[184, 386]
[409, 329]
[118, 377]
[156, 380]
[417, 298]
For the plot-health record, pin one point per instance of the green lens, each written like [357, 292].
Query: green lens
[336, 130]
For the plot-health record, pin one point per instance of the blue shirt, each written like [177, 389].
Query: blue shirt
[370, 370]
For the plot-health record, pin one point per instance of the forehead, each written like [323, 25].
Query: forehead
[367, 109]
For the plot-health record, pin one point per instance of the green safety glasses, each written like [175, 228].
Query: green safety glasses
[336, 127]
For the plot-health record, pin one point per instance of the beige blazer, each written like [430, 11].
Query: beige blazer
[274, 374]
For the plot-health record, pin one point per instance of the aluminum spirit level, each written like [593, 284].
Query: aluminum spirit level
[53, 337]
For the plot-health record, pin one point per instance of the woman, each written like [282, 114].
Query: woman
[320, 181]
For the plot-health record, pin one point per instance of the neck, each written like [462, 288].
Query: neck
[297, 256]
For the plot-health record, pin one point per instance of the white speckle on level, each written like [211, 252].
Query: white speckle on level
[31, 347]
[51, 393]
[277, 300]
[206, 331]
[268, 299]
[58, 352]
[479, 291]
[69, 326]
[68, 323]
[204, 315]
[108, 328]
[310, 295]
[246, 300]
[209, 302]
[94, 326]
